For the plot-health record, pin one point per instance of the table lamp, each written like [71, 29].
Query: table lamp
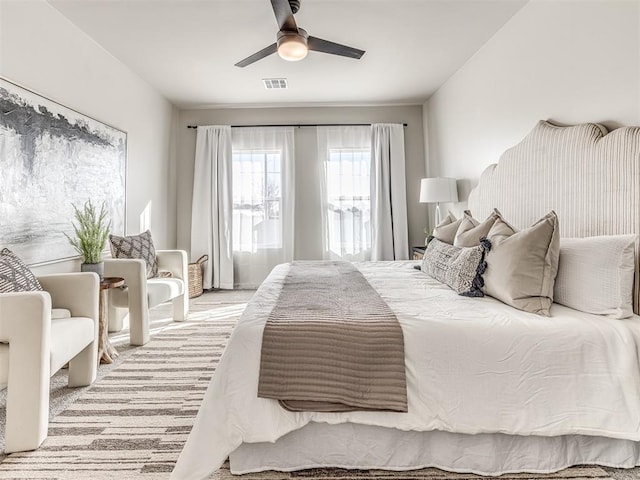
[436, 190]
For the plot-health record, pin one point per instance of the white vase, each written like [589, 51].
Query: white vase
[93, 267]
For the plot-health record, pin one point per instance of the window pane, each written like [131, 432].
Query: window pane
[348, 202]
[273, 162]
[256, 200]
[273, 209]
[274, 181]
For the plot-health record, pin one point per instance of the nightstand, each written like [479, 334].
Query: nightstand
[418, 253]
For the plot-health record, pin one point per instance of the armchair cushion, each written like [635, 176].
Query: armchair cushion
[15, 276]
[69, 336]
[60, 313]
[136, 246]
[160, 290]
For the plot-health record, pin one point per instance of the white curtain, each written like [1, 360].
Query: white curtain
[388, 193]
[345, 153]
[211, 207]
[263, 202]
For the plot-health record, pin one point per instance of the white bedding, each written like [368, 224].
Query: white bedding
[473, 366]
[367, 447]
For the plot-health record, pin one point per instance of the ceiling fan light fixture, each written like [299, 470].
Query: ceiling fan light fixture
[293, 43]
[292, 46]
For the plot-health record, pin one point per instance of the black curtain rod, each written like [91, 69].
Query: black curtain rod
[300, 125]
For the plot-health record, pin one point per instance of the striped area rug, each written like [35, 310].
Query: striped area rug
[133, 422]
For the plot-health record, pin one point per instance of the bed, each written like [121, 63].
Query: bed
[490, 389]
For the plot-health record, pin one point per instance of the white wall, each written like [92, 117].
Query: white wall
[567, 61]
[41, 50]
[308, 240]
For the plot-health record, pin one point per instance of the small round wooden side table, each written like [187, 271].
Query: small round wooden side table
[106, 352]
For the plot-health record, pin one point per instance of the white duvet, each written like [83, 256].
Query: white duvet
[473, 366]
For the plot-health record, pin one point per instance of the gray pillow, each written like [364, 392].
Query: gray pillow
[471, 231]
[446, 230]
[459, 268]
[15, 276]
[522, 265]
[136, 246]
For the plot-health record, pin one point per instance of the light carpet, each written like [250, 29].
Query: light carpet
[133, 422]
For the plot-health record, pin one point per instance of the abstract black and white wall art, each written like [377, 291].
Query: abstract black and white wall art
[50, 158]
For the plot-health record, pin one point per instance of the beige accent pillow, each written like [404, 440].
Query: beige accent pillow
[471, 231]
[522, 265]
[446, 230]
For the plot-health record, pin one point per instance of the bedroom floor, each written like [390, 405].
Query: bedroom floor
[620, 474]
[151, 447]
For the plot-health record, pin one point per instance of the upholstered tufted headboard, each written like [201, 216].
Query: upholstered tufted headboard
[591, 178]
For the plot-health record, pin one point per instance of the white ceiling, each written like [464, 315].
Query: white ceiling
[187, 49]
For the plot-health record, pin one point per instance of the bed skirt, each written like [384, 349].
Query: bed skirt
[354, 446]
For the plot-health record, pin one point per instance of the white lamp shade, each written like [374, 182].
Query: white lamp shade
[439, 189]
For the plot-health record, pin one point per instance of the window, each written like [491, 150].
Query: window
[348, 202]
[257, 200]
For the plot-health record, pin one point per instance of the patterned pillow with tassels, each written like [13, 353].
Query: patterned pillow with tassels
[136, 246]
[15, 276]
[460, 268]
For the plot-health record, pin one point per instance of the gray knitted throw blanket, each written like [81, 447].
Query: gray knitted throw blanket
[331, 344]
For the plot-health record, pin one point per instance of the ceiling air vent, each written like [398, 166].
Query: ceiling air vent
[275, 83]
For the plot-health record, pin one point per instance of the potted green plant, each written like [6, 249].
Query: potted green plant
[91, 232]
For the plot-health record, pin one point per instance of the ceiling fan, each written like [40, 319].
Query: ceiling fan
[294, 43]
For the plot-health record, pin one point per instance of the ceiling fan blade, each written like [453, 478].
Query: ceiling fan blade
[325, 46]
[284, 15]
[265, 52]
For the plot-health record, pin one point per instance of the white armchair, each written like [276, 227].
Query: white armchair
[36, 341]
[142, 293]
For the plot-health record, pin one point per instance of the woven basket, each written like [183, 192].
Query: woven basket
[195, 276]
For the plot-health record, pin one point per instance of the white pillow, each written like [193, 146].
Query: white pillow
[595, 274]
